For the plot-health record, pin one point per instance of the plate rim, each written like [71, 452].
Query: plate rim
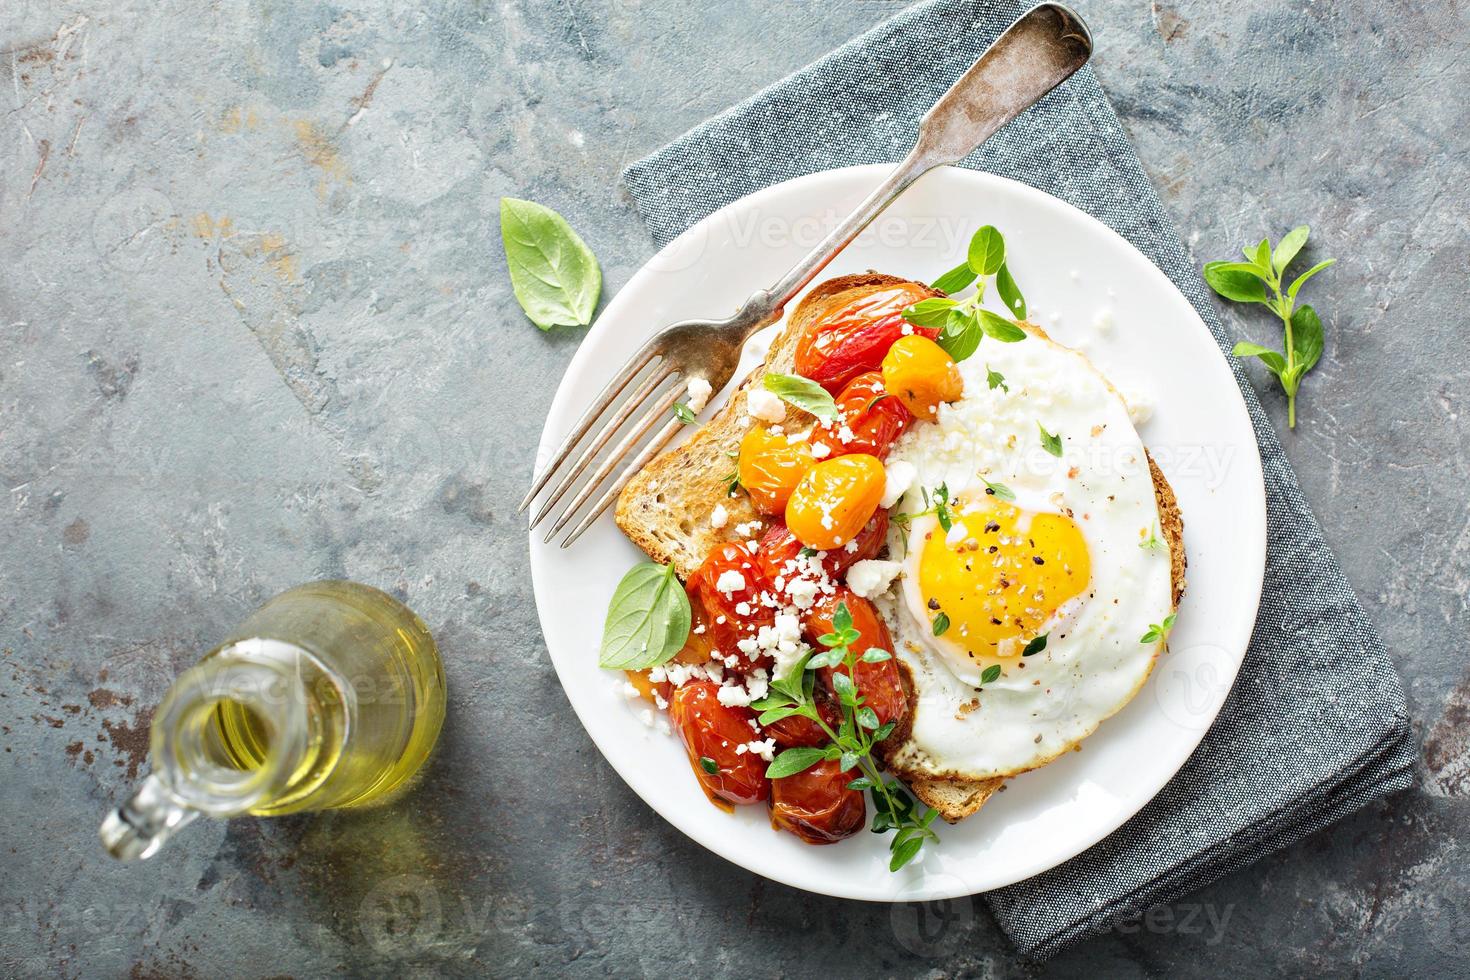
[706, 835]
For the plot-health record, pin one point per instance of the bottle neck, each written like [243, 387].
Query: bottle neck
[227, 739]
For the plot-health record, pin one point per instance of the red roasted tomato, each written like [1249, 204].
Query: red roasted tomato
[879, 683]
[724, 621]
[854, 338]
[800, 730]
[778, 546]
[875, 418]
[711, 730]
[816, 804]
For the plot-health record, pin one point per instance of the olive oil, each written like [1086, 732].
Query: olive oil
[331, 695]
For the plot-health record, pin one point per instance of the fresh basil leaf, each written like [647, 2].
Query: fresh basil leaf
[1000, 328]
[1290, 244]
[955, 279]
[1301, 280]
[1306, 335]
[1010, 293]
[647, 620]
[1235, 283]
[804, 393]
[1050, 441]
[931, 312]
[793, 761]
[990, 674]
[1272, 359]
[1037, 644]
[554, 274]
[941, 623]
[987, 251]
[961, 335]
[996, 380]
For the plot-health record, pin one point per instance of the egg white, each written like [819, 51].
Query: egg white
[1094, 661]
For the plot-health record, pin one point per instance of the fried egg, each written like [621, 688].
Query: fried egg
[1032, 564]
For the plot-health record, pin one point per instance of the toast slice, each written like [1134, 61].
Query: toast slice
[666, 508]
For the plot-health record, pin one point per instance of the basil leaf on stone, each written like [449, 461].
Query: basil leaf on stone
[647, 620]
[1306, 335]
[554, 274]
[804, 393]
[1235, 283]
[1286, 249]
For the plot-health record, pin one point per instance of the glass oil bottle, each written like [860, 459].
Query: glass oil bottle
[330, 695]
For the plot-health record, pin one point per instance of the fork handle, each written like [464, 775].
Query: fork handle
[1038, 52]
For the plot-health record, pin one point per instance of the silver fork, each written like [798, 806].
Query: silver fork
[1037, 53]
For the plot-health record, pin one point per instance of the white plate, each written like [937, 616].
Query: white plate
[1072, 269]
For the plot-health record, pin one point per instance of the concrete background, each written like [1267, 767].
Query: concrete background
[255, 328]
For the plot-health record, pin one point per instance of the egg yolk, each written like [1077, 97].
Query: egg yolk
[1001, 578]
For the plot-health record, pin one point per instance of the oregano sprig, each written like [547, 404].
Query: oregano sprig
[962, 324]
[858, 731]
[1248, 282]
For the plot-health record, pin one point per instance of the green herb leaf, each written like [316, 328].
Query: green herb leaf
[684, 413]
[878, 398]
[847, 760]
[1306, 332]
[941, 623]
[904, 853]
[931, 312]
[996, 380]
[1301, 280]
[875, 656]
[827, 658]
[998, 490]
[1263, 254]
[884, 732]
[1050, 441]
[1230, 281]
[961, 335]
[1158, 631]
[1037, 644]
[773, 715]
[955, 279]
[1010, 293]
[861, 783]
[1291, 243]
[709, 765]
[843, 687]
[554, 274]
[647, 620]
[1272, 359]
[990, 674]
[793, 761]
[804, 393]
[987, 251]
[868, 718]
[1000, 328]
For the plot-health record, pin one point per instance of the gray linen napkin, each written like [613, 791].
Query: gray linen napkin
[1316, 725]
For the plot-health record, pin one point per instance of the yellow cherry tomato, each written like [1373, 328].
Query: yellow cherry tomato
[834, 500]
[921, 374]
[770, 466]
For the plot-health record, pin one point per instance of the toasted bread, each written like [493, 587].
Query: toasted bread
[665, 509]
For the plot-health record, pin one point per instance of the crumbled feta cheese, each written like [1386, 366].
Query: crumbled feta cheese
[764, 405]
[748, 528]
[802, 593]
[1103, 322]
[719, 517]
[763, 747]
[730, 581]
[846, 435]
[820, 451]
[629, 691]
[743, 608]
[1140, 406]
[898, 477]
[869, 578]
[699, 392]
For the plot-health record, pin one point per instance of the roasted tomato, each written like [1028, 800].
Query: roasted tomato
[800, 730]
[922, 375]
[879, 683]
[834, 500]
[779, 546]
[727, 589]
[816, 804]
[770, 466]
[647, 689]
[711, 731]
[854, 338]
[865, 409]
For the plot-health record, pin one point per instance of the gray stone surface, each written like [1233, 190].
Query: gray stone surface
[255, 329]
